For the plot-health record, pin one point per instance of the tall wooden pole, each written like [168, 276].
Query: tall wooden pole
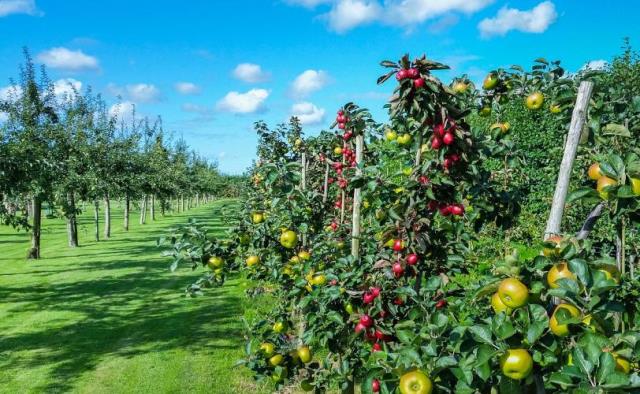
[578, 120]
[357, 202]
[303, 187]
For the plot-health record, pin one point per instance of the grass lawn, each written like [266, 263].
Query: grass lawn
[109, 317]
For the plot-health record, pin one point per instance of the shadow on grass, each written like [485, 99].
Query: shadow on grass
[124, 316]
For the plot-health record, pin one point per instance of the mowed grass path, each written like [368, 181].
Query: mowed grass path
[109, 317]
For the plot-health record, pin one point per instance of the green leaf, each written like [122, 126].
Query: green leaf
[481, 333]
[616, 129]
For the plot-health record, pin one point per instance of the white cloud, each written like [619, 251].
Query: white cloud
[410, 12]
[309, 82]
[535, 20]
[249, 72]
[187, 88]
[65, 88]
[308, 113]
[143, 93]
[347, 14]
[599, 64]
[8, 7]
[123, 111]
[66, 59]
[11, 92]
[139, 92]
[243, 103]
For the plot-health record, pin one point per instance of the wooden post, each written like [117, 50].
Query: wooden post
[578, 120]
[325, 191]
[303, 187]
[355, 225]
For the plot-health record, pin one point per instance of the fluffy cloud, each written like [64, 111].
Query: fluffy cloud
[535, 20]
[596, 65]
[249, 72]
[309, 82]
[187, 88]
[8, 7]
[243, 103]
[65, 88]
[410, 12]
[123, 111]
[66, 59]
[139, 92]
[345, 15]
[10, 92]
[308, 113]
[143, 93]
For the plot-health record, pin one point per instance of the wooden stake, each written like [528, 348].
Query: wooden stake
[325, 191]
[578, 120]
[355, 225]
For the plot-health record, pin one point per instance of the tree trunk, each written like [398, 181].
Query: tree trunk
[127, 203]
[143, 210]
[96, 218]
[182, 202]
[36, 212]
[578, 120]
[107, 216]
[72, 221]
[162, 206]
[153, 207]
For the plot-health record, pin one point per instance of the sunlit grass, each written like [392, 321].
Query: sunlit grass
[109, 317]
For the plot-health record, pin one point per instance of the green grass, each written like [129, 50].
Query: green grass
[108, 317]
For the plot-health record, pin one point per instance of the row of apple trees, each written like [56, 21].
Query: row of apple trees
[407, 306]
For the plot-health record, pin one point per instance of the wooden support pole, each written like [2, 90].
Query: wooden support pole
[578, 120]
[303, 187]
[357, 201]
[325, 191]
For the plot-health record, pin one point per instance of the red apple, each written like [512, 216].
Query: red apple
[376, 347]
[423, 180]
[413, 73]
[412, 259]
[397, 245]
[436, 142]
[418, 83]
[368, 298]
[398, 301]
[397, 269]
[340, 112]
[438, 130]
[447, 163]
[375, 291]
[445, 210]
[366, 321]
[341, 126]
[448, 138]
[441, 304]
[341, 119]
[375, 385]
[359, 328]
[380, 335]
[402, 74]
[457, 209]
[382, 314]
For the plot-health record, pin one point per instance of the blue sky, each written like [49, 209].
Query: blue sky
[212, 68]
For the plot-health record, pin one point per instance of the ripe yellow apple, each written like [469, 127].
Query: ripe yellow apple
[557, 272]
[516, 364]
[602, 185]
[535, 100]
[513, 293]
[558, 329]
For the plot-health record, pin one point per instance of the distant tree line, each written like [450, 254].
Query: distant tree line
[58, 150]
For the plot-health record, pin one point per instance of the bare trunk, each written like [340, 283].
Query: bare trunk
[143, 210]
[96, 218]
[162, 206]
[107, 216]
[127, 203]
[36, 212]
[153, 207]
[182, 203]
[72, 221]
